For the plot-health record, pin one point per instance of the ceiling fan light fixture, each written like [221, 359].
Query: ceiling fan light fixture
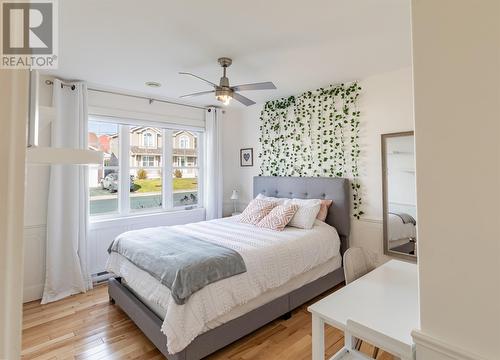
[224, 96]
[225, 99]
[225, 92]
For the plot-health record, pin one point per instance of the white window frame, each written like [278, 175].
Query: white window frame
[167, 168]
[124, 166]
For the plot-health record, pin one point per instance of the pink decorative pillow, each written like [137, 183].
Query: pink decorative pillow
[255, 211]
[279, 217]
[323, 209]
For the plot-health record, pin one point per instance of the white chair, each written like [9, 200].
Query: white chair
[357, 264]
[355, 330]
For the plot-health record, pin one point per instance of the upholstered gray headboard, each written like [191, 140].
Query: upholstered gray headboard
[336, 189]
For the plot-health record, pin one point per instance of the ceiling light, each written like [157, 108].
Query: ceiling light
[224, 92]
[225, 99]
[224, 95]
[153, 84]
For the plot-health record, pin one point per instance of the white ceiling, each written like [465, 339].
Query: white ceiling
[299, 45]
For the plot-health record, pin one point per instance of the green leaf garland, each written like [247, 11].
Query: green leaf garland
[314, 134]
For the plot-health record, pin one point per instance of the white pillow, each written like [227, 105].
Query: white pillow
[279, 201]
[306, 214]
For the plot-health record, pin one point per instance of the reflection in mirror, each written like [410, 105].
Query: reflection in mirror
[399, 188]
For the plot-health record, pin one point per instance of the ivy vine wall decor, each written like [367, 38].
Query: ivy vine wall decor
[314, 134]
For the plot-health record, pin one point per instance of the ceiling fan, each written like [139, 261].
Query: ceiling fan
[224, 92]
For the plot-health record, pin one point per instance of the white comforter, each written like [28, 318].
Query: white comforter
[272, 258]
[399, 230]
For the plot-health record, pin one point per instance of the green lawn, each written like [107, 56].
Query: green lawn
[147, 185]
[153, 185]
[185, 184]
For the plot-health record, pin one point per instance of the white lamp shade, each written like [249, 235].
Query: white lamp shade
[234, 195]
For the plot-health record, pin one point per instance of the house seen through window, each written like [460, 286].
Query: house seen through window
[146, 185]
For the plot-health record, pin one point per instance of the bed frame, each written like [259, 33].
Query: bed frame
[336, 189]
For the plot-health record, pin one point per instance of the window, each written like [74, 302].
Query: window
[184, 142]
[148, 160]
[147, 140]
[146, 186]
[185, 170]
[103, 179]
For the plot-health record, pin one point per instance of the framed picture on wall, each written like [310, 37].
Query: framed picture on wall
[246, 157]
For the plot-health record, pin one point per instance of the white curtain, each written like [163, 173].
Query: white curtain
[213, 174]
[67, 212]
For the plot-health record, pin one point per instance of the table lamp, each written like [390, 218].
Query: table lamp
[234, 197]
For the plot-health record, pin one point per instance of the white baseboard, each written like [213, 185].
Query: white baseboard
[32, 293]
[429, 347]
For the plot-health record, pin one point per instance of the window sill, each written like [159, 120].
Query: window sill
[104, 220]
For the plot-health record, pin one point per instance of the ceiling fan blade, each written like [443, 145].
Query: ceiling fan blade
[196, 76]
[244, 100]
[256, 86]
[198, 93]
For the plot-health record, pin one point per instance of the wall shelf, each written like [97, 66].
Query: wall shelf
[53, 156]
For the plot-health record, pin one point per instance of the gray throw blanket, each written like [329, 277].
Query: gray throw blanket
[182, 263]
[405, 218]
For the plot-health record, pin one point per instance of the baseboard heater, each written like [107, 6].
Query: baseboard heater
[101, 277]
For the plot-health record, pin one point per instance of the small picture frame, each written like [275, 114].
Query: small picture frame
[246, 157]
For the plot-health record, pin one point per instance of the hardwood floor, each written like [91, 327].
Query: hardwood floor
[86, 326]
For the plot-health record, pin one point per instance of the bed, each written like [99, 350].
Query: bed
[399, 231]
[284, 270]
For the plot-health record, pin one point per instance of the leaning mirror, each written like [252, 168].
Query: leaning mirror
[399, 191]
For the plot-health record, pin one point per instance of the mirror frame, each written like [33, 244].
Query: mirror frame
[385, 200]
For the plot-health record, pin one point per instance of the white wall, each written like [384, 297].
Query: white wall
[240, 130]
[456, 50]
[13, 116]
[386, 105]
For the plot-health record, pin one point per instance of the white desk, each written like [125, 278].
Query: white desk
[384, 303]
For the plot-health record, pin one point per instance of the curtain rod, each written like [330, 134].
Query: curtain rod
[151, 100]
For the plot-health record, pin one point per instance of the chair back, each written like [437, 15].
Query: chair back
[356, 264]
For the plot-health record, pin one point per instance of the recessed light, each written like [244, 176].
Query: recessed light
[153, 84]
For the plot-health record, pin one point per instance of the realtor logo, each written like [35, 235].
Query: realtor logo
[29, 34]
